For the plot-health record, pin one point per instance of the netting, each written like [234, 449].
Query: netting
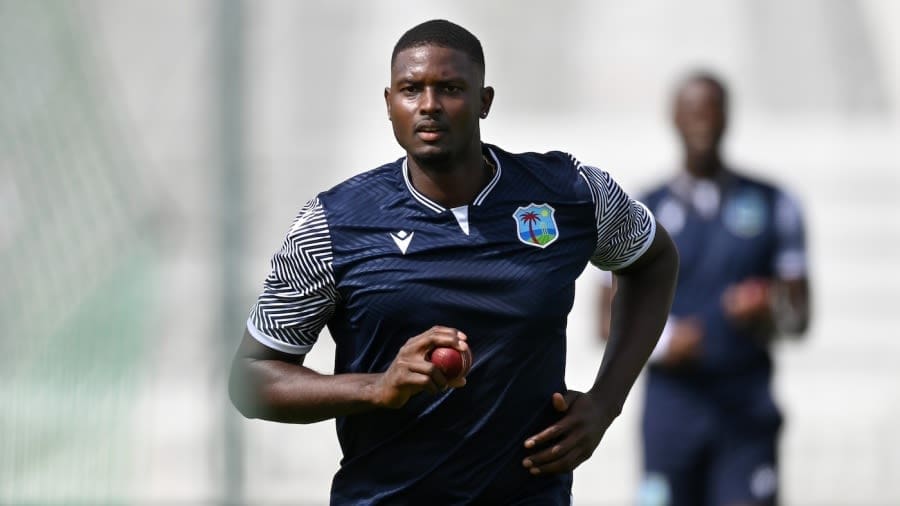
[75, 263]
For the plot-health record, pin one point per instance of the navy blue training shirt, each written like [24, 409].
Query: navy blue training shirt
[378, 263]
[728, 230]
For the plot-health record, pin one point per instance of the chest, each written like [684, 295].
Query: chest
[507, 261]
[735, 241]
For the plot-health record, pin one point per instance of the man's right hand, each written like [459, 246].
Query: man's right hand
[686, 342]
[410, 373]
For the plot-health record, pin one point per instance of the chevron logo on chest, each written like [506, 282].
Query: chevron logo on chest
[402, 239]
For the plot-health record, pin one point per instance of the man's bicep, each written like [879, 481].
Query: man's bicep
[661, 244]
[252, 368]
[251, 348]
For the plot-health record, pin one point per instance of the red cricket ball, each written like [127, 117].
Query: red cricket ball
[451, 362]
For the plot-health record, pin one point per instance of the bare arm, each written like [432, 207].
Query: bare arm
[644, 292]
[771, 306]
[604, 308]
[680, 343]
[275, 386]
[642, 302]
[790, 306]
[780, 304]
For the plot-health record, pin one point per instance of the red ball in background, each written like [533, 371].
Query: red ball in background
[451, 362]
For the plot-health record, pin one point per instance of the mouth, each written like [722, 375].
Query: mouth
[430, 132]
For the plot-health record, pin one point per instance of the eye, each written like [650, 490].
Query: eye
[452, 89]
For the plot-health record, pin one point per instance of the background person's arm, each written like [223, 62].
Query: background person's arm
[779, 305]
[680, 342]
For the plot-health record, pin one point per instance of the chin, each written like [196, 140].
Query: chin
[431, 155]
[702, 149]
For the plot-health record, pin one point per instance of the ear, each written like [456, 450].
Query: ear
[487, 98]
[387, 102]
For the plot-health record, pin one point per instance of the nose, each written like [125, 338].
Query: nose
[430, 101]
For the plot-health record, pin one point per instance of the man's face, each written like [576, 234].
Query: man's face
[434, 102]
[700, 117]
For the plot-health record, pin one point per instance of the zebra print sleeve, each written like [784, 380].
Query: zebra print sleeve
[625, 227]
[299, 295]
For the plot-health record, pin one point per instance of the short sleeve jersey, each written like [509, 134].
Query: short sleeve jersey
[728, 231]
[378, 262]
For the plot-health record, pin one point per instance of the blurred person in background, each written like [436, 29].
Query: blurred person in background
[458, 244]
[710, 424]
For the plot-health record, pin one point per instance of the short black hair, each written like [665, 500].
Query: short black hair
[441, 32]
[708, 78]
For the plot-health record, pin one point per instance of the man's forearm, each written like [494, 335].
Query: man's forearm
[640, 309]
[790, 305]
[291, 393]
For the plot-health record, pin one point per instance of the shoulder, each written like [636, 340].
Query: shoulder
[656, 193]
[777, 194]
[745, 181]
[374, 187]
[548, 164]
[558, 172]
[371, 180]
[553, 175]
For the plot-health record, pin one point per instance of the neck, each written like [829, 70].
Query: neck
[454, 184]
[706, 165]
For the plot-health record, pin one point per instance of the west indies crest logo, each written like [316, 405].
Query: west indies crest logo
[535, 225]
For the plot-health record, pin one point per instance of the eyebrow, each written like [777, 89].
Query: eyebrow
[450, 80]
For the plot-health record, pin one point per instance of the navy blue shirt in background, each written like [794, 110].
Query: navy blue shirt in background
[727, 230]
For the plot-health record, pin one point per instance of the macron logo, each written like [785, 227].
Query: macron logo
[401, 239]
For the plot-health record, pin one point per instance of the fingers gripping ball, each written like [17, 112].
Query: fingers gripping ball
[451, 362]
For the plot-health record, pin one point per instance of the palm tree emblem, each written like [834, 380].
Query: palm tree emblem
[529, 219]
[536, 225]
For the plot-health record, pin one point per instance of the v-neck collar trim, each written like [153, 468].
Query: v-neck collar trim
[684, 183]
[434, 206]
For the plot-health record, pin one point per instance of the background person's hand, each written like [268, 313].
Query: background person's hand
[410, 372]
[686, 342]
[747, 300]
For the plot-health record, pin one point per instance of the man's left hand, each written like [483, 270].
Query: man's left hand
[748, 300]
[570, 441]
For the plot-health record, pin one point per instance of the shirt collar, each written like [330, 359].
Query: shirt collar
[479, 199]
[703, 194]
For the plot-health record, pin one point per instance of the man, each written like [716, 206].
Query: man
[710, 424]
[458, 244]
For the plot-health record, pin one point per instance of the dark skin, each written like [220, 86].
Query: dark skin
[700, 117]
[275, 386]
[761, 304]
[646, 288]
[435, 100]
